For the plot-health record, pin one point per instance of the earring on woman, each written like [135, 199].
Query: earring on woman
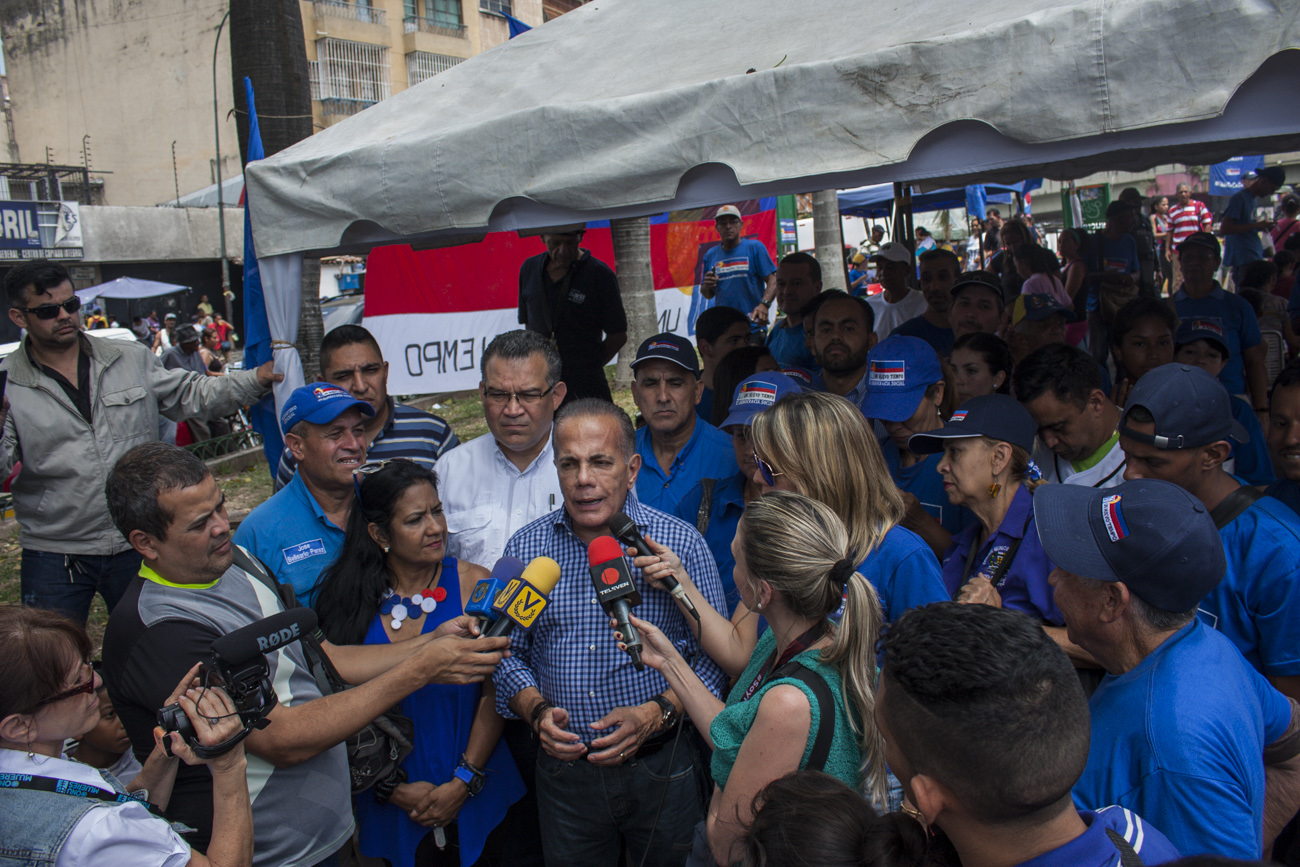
[994, 490]
[914, 813]
[385, 549]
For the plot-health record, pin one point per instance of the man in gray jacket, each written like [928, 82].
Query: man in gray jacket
[73, 405]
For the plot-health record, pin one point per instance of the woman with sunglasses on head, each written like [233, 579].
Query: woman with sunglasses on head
[47, 695]
[805, 697]
[790, 454]
[393, 582]
[985, 467]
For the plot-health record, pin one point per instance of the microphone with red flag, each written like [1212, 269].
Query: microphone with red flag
[616, 591]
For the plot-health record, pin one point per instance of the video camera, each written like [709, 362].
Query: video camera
[240, 668]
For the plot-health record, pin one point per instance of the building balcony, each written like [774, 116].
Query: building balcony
[437, 27]
[349, 12]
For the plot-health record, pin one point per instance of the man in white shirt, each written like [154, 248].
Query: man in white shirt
[1078, 425]
[498, 483]
[898, 302]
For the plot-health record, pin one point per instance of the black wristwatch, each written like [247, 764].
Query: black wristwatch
[473, 778]
[670, 713]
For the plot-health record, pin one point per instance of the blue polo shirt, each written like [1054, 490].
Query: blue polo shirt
[904, 572]
[1250, 459]
[292, 536]
[787, 346]
[742, 274]
[1257, 604]
[1094, 848]
[1240, 328]
[727, 505]
[923, 481]
[1286, 491]
[1243, 247]
[704, 409]
[708, 454]
[1024, 587]
[1179, 739]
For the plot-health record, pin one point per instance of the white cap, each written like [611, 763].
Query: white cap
[727, 211]
[893, 251]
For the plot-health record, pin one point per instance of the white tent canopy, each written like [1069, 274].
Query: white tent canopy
[638, 106]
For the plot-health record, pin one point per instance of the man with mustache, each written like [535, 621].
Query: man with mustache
[843, 334]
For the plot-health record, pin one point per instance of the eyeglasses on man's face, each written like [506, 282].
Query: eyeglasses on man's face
[532, 397]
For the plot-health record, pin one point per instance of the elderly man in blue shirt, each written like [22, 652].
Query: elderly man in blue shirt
[677, 447]
[1183, 729]
[612, 775]
[299, 531]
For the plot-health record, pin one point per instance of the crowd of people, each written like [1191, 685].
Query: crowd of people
[916, 580]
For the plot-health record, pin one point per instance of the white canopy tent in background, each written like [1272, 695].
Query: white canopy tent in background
[635, 107]
[128, 287]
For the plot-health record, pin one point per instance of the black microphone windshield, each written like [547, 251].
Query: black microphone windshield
[264, 636]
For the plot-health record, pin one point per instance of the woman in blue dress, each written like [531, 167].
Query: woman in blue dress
[393, 582]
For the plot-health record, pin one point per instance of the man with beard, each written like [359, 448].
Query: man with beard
[843, 334]
[939, 270]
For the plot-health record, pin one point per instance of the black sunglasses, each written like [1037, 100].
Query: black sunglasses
[50, 311]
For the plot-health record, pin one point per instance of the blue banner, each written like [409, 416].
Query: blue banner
[18, 226]
[1225, 177]
[976, 200]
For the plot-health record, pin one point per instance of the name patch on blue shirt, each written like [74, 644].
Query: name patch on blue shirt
[303, 550]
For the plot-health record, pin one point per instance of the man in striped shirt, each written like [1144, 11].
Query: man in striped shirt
[1186, 217]
[350, 358]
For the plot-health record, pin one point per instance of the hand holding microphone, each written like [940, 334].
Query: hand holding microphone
[625, 529]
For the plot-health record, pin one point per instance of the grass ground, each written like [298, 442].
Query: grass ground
[249, 488]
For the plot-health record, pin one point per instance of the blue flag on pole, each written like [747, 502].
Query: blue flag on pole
[976, 200]
[516, 26]
[1225, 177]
[257, 328]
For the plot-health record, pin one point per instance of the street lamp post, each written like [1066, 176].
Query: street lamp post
[221, 199]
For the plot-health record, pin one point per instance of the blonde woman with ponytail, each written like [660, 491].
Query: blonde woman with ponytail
[795, 566]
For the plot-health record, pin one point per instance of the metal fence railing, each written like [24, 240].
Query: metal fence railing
[351, 11]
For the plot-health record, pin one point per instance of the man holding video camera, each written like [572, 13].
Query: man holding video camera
[167, 505]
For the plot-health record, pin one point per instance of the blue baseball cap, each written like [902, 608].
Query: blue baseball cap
[756, 394]
[1191, 409]
[1037, 306]
[899, 370]
[319, 403]
[1202, 328]
[1155, 537]
[997, 416]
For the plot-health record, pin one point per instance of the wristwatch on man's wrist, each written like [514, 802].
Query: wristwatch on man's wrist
[670, 712]
[473, 778]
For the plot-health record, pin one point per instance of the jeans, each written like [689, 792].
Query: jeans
[67, 583]
[590, 814]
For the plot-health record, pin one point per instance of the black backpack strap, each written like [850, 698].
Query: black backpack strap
[706, 505]
[821, 749]
[1231, 507]
[1128, 856]
[328, 679]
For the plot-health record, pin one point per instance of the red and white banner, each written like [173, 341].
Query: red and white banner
[435, 311]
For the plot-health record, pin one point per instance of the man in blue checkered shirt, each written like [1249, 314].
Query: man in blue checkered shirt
[608, 758]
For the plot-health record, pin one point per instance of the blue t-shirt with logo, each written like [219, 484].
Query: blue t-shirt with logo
[708, 454]
[923, 481]
[1243, 247]
[1257, 604]
[1179, 740]
[742, 274]
[292, 536]
[1240, 328]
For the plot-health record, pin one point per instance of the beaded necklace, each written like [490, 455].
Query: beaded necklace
[400, 607]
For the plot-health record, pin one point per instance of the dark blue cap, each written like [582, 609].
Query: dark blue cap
[668, 347]
[997, 416]
[1155, 537]
[1191, 409]
[1202, 328]
[899, 370]
[756, 394]
[319, 403]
